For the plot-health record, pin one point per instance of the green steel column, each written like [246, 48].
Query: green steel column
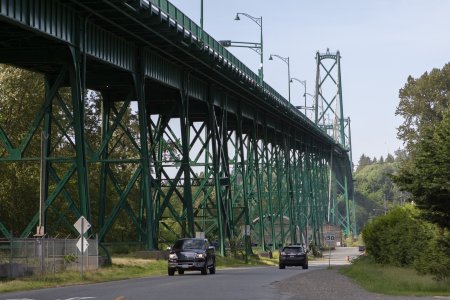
[139, 81]
[185, 164]
[349, 146]
[157, 152]
[78, 126]
[347, 216]
[305, 191]
[225, 172]
[214, 138]
[206, 174]
[46, 148]
[239, 132]
[297, 191]
[289, 190]
[317, 93]
[279, 176]
[47, 136]
[106, 109]
[269, 162]
[341, 102]
[258, 182]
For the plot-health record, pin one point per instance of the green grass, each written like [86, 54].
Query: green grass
[121, 268]
[393, 280]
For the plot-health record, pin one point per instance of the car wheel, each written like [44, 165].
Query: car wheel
[212, 270]
[281, 266]
[205, 269]
[181, 272]
[171, 272]
[305, 266]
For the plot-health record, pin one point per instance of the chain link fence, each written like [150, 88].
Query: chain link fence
[24, 257]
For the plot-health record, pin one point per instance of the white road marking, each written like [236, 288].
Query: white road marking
[78, 298]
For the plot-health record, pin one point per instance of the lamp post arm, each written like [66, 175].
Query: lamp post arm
[286, 61]
[259, 22]
[254, 19]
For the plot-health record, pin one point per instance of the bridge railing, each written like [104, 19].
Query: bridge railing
[212, 45]
[209, 42]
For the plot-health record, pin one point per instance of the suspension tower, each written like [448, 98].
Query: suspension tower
[329, 116]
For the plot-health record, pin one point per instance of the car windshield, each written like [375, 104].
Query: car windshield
[293, 250]
[188, 244]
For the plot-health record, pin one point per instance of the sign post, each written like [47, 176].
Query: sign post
[82, 226]
[330, 240]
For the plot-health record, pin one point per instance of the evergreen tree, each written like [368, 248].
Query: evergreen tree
[389, 158]
[364, 161]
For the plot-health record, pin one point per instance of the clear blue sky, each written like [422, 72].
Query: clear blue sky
[381, 42]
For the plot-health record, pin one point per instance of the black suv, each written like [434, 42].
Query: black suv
[294, 255]
[192, 255]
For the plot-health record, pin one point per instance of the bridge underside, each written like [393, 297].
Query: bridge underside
[180, 140]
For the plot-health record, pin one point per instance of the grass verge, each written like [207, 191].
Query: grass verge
[121, 268]
[393, 280]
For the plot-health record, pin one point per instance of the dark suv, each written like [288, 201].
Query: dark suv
[190, 255]
[294, 255]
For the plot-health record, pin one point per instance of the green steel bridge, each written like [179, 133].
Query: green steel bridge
[215, 151]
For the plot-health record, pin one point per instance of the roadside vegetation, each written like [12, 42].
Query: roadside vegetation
[391, 280]
[408, 242]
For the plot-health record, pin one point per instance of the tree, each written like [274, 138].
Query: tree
[364, 161]
[21, 95]
[427, 175]
[422, 103]
[401, 155]
[390, 158]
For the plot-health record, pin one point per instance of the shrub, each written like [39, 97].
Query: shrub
[401, 238]
[435, 259]
[397, 238]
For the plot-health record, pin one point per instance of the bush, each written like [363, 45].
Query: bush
[398, 238]
[435, 259]
[401, 238]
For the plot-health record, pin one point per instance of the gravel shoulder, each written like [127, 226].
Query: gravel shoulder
[334, 286]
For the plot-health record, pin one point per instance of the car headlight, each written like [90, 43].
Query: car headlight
[172, 256]
[282, 253]
[200, 255]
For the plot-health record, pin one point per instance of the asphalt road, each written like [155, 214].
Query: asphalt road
[238, 283]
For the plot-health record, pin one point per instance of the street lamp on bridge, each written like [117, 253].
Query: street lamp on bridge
[257, 47]
[303, 82]
[286, 61]
[306, 107]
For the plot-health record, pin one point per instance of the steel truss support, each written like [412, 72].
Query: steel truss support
[129, 199]
[63, 150]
